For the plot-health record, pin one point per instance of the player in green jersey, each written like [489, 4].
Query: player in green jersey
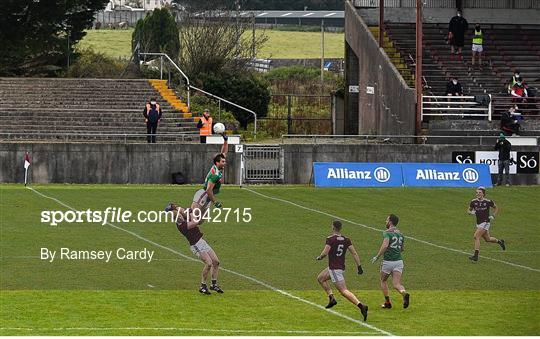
[212, 183]
[392, 264]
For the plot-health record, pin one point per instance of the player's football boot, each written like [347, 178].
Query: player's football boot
[364, 310]
[406, 298]
[473, 258]
[216, 288]
[331, 303]
[386, 305]
[204, 290]
[502, 244]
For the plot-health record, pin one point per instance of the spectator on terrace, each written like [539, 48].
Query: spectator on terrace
[152, 115]
[477, 45]
[519, 91]
[516, 76]
[453, 87]
[510, 121]
[205, 126]
[456, 33]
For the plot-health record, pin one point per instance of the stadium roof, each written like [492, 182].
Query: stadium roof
[292, 14]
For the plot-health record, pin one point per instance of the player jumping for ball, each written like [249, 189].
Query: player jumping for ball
[481, 208]
[336, 247]
[188, 225]
[212, 182]
[392, 246]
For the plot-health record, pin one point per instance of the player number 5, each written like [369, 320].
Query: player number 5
[339, 250]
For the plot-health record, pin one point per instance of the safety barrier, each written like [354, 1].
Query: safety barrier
[454, 106]
[262, 163]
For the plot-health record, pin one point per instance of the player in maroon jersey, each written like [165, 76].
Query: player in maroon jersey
[336, 247]
[188, 225]
[481, 208]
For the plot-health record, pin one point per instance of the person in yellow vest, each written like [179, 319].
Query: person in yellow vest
[205, 126]
[477, 45]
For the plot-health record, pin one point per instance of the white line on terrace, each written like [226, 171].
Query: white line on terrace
[378, 230]
[259, 282]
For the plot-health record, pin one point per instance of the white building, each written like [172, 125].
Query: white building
[137, 5]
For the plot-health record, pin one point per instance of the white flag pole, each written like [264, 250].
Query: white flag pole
[25, 175]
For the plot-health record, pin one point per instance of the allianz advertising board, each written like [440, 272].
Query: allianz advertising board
[357, 174]
[446, 175]
[351, 174]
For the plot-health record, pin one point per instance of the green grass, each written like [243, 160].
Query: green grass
[280, 44]
[450, 295]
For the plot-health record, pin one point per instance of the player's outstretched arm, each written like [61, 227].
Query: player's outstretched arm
[225, 146]
[324, 252]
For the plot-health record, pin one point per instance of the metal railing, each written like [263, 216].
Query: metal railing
[189, 87]
[262, 163]
[88, 137]
[390, 139]
[491, 4]
[530, 108]
[454, 106]
[161, 55]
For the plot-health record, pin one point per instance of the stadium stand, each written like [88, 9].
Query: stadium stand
[86, 110]
[507, 47]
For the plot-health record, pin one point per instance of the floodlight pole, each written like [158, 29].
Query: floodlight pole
[322, 55]
[381, 23]
[418, 70]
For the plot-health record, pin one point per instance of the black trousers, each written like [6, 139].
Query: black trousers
[151, 129]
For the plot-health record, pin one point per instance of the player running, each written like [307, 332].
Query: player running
[212, 183]
[481, 208]
[392, 264]
[189, 227]
[336, 247]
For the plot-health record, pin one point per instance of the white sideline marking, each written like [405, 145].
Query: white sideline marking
[378, 230]
[262, 283]
[174, 329]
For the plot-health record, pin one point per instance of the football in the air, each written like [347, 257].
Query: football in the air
[219, 128]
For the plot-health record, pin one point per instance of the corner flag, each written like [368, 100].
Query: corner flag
[26, 165]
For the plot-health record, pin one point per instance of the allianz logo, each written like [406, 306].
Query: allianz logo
[381, 174]
[470, 175]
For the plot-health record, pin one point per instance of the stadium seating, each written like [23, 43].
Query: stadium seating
[506, 47]
[85, 110]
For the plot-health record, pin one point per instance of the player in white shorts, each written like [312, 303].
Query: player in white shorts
[188, 225]
[335, 248]
[392, 264]
[212, 183]
[480, 207]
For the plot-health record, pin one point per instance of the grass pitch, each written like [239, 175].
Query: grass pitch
[280, 44]
[269, 267]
